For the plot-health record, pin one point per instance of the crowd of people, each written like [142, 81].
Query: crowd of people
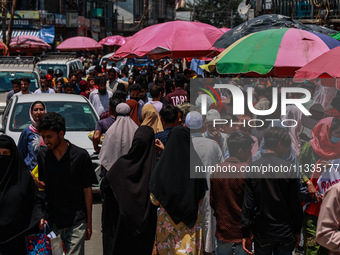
[150, 138]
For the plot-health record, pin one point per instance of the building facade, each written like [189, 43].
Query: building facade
[55, 21]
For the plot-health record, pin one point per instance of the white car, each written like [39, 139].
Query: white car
[79, 114]
[66, 65]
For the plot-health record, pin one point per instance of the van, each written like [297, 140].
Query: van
[67, 63]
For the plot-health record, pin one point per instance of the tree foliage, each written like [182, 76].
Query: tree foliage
[216, 12]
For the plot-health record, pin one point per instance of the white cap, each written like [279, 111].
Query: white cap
[194, 120]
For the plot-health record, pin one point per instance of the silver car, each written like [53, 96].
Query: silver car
[79, 114]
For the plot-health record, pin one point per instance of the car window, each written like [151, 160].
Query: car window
[80, 65]
[73, 67]
[78, 116]
[54, 67]
[7, 77]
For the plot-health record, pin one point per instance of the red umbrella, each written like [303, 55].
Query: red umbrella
[175, 39]
[324, 66]
[79, 43]
[113, 40]
[28, 42]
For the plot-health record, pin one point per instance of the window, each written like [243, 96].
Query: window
[54, 67]
[78, 116]
[7, 77]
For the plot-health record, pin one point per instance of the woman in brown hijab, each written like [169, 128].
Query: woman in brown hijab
[134, 111]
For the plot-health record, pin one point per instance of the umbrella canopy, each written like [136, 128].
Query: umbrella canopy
[28, 42]
[79, 43]
[113, 40]
[336, 36]
[176, 39]
[324, 66]
[224, 29]
[275, 52]
[265, 22]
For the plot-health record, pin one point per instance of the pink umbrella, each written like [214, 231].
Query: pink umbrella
[324, 66]
[113, 40]
[28, 42]
[79, 43]
[224, 29]
[175, 39]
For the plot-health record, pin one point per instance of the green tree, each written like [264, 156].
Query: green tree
[216, 12]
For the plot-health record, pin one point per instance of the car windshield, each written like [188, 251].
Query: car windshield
[54, 67]
[109, 62]
[7, 77]
[119, 64]
[78, 116]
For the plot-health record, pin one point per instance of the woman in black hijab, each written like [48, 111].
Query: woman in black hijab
[20, 208]
[135, 217]
[178, 226]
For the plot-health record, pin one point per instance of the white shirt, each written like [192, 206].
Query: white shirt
[20, 93]
[157, 104]
[49, 90]
[100, 102]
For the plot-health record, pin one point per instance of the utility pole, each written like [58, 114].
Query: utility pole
[10, 26]
[4, 19]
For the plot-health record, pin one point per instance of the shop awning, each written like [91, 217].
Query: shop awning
[46, 33]
[17, 32]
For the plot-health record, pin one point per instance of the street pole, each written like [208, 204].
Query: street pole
[10, 26]
[4, 18]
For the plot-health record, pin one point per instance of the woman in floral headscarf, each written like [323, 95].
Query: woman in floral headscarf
[30, 140]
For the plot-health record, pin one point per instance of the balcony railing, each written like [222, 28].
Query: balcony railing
[303, 9]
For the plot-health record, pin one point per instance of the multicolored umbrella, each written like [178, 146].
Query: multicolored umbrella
[324, 66]
[113, 40]
[265, 22]
[28, 42]
[274, 52]
[79, 43]
[175, 39]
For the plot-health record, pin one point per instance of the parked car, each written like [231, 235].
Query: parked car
[66, 63]
[79, 114]
[16, 68]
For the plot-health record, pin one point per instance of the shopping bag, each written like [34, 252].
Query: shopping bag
[39, 244]
[56, 244]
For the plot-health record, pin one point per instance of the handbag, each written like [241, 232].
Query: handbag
[39, 243]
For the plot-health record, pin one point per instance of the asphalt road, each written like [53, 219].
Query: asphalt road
[94, 246]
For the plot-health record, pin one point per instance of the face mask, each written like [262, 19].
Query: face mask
[335, 139]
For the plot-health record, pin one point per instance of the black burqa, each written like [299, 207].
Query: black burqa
[171, 183]
[129, 179]
[20, 211]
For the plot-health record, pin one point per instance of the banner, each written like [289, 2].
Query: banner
[72, 19]
[47, 34]
[60, 19]
[95, 25]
